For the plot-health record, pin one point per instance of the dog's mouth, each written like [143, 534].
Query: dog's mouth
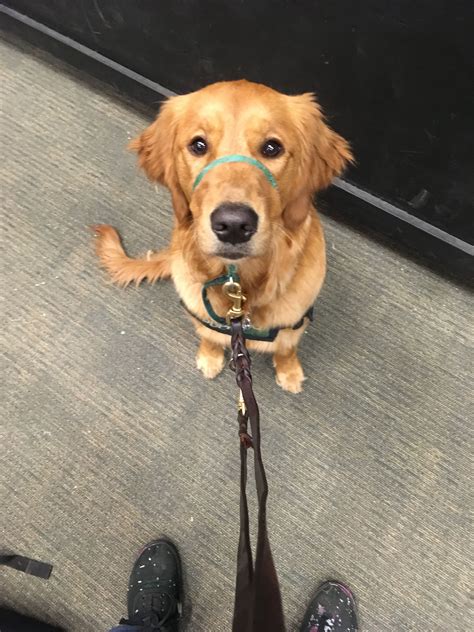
[233, 256]
[233, 253]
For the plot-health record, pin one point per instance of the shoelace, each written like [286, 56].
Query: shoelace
[158, 623]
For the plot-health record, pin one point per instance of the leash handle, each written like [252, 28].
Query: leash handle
[258, 606]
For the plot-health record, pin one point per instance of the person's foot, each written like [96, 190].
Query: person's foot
[332, 609]
[155, 588]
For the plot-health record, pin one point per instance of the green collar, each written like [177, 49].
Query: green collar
[220, 324]
[237, 158]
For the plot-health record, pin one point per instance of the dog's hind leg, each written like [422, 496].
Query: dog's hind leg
[124, 269]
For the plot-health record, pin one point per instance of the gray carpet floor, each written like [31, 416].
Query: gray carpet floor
[110, 436]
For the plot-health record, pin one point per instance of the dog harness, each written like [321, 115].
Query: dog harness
[223, 326]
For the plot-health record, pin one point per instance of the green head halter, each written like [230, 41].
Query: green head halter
[237, 158]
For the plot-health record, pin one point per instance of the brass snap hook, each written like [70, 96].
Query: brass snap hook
[233, 290]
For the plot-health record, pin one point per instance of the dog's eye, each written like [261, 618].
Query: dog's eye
[198, 146]
[271, 148]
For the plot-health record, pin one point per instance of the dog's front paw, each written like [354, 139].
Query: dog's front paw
[289, 372]
[210, 360]
[291, 381]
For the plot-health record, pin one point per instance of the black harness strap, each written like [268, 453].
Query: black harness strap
[263, 335]
[258, 606]
[27, 565]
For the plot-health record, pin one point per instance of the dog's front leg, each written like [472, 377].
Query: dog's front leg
[289, 373]
[210, 358]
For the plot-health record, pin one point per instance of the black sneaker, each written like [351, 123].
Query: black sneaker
[155, 588]
[331, 610]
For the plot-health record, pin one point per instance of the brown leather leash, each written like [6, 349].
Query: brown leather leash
[258, 606]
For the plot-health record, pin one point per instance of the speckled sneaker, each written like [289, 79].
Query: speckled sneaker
[155, 589]
[331, 610]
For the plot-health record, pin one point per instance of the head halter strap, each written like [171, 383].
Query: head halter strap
[236, 158]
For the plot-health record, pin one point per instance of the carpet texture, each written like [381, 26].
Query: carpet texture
[110, 436]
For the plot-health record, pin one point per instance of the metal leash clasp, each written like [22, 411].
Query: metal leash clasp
[233, 290]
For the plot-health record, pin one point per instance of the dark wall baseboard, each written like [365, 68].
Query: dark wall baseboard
[346, 201]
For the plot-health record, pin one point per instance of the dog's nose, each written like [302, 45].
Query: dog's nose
[234, 223]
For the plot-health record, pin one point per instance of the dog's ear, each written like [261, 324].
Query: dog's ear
[324, 154]
[156, 155]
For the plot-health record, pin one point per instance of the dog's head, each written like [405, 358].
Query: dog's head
[235, 208]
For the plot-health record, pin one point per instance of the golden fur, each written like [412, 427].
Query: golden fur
[285, 270]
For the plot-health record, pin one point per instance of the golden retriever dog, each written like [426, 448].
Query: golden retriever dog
[252, 209]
